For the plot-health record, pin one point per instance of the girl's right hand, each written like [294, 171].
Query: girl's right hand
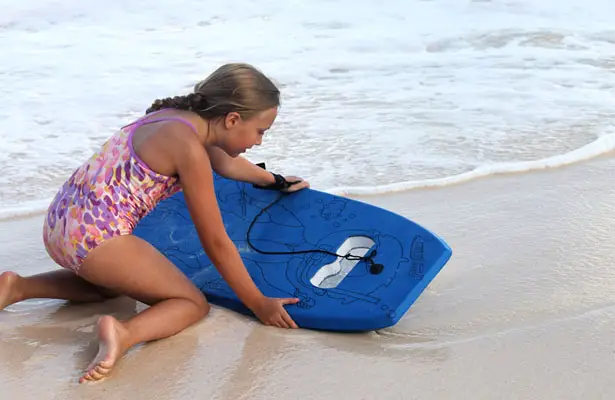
[271, 312]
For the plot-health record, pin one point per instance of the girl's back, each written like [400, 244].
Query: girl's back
[107, 195]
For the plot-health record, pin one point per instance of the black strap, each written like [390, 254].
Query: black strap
[279, 184]
[374, 268]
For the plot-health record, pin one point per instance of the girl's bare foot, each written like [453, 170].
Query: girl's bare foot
[112, 345]
[9, 292]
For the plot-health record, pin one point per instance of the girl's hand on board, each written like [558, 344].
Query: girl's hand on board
[296, 184]
[270, 311]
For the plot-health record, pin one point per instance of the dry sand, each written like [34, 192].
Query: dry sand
[525, 309]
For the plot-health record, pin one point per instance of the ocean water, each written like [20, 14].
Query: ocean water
[377, 95]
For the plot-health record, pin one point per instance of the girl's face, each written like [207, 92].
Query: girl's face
[242, 134]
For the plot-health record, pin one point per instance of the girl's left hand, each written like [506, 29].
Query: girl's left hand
[301, 184]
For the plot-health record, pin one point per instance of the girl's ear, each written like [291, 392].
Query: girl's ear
[231, 120]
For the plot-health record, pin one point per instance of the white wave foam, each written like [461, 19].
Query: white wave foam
[406, 95]
[602, 145]
[27, 209]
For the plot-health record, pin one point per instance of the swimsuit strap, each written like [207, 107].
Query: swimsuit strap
[145, 116]
[178, 119]
[142, 121]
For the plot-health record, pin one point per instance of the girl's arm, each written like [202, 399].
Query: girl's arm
[197, 183]
[193, 167]
[238, 168]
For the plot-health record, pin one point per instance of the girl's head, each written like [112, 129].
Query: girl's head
[239, 100]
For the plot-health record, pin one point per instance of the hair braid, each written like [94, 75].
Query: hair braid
[190, 102]
[235, 87]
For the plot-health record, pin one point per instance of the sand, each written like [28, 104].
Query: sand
[525, 309]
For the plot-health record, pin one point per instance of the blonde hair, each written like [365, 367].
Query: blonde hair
[234, 87]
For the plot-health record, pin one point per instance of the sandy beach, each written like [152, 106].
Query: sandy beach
[525, 309]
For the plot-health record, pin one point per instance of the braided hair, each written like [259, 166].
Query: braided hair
[235, 87]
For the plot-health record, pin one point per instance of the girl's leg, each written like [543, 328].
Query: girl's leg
[131, 266]
[60, 284]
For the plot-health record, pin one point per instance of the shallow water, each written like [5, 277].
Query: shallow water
[377, 96]
[524, 309]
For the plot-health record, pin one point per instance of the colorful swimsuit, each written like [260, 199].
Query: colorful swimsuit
[104, 198]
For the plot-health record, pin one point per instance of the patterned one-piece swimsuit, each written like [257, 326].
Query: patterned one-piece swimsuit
[104, 198]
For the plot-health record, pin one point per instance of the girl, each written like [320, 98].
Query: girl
[174, 147]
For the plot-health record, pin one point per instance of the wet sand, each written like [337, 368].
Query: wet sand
[525, 309]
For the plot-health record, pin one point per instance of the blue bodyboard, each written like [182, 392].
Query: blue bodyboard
[336, 293]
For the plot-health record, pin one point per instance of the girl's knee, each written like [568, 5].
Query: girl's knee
[202, 304]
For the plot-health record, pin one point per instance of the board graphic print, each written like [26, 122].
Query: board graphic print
[296, 248]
